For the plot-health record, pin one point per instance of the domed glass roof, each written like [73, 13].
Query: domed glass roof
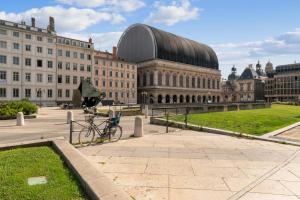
[142, 42]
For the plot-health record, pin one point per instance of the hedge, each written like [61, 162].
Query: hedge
[11, 108]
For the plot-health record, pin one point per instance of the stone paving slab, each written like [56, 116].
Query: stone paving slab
[192, 165]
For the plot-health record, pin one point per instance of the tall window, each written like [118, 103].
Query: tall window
[208, 83]
[2, 75]
[198, 82]
[181, 81]
[15, 92]
[151, 78]
[174, 80]
[167, 79]
[187, 81]
[193, 82]
[2, 92]
[50, 78]
[16, 76]
[39, 78]
[2, 59]
[27, 61]
[16, 60]
[203, 83]
[159, 78]
[28, 93]
[27, 77]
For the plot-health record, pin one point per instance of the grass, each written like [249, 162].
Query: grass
[17, 165]
[254, 122]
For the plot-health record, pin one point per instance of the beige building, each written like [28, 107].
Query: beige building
[74, 63]
[169, 82]
[171, 69]
[249, 87]
[46, 68]
[116, 78]
[27, 62]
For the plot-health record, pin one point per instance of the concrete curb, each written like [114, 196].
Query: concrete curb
[94, 183]
[281, 140]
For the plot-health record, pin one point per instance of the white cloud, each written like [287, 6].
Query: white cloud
[102, 41]
[122, 5]
[281, 49]
[66, 19]
[285, 44]
[177, 11]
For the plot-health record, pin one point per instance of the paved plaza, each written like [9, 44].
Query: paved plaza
[51, 122]
[192, 165]
[182, 164]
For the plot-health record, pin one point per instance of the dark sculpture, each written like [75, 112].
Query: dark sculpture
[91, 95]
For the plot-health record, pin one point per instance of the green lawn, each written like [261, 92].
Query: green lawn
[17, 165]
[255, 122]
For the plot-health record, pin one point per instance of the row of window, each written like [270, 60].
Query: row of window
[28, 93]
[27, 61]
[68, 79]
[73, 42]
[28, 36]
[16, 77]
[214, 84]
[74, 54]
[28, 47]
[97, 61]
[116, 84]
[75, 66]
[116, 74]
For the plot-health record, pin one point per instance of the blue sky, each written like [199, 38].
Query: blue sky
[240, 31]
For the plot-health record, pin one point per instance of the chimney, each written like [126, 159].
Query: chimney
[114, 53]
[51, 26]
[32, 21]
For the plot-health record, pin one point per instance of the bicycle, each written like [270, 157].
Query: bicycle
[111, 131]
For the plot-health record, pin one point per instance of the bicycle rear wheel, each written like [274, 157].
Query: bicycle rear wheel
[86, 136]
[115, 133]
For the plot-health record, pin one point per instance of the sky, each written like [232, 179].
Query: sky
[240, 31]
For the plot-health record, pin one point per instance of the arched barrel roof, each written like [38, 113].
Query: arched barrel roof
[141, 42]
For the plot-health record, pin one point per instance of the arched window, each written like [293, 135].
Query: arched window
[159, 78]
[181, 81]
[187, 81]
[145, 79]
[198, 82]
[174, 80]
[151, 78]
[167, 98]
[187, 99]
[181, 98]
[174, 98]
[199, 99]
[193, 82]
[167, 79]
[159, 99]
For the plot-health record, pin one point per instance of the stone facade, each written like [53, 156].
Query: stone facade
[249, 87]
[74, 63]
[161, 81]
[116, 78]
[46, 68]
[27, 63]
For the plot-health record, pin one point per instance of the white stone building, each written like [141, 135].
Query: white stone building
[27, 62]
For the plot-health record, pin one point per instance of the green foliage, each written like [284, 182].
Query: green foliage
[18, 165]
[11, 108]
[254, 122]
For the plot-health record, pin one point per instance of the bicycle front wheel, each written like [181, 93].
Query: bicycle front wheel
[86, 136]
[115, 133]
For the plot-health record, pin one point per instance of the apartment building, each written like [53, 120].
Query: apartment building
[27, 62]
[114, 77]
[74, 63]
[46, 68]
